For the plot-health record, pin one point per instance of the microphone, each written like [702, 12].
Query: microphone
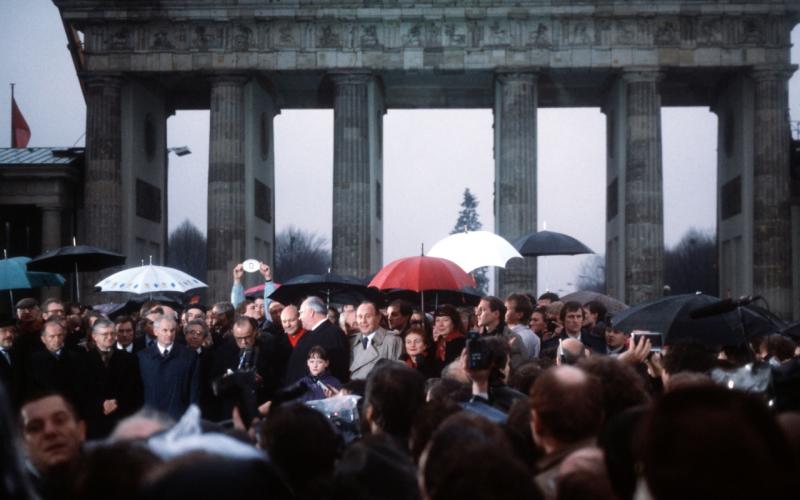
[723, 306]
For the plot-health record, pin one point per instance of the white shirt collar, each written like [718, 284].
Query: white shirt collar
[161, 348]
[129, 348]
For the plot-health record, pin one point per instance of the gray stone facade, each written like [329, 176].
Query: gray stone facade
[628, 57]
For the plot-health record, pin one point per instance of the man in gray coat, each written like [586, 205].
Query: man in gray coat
[372, 342]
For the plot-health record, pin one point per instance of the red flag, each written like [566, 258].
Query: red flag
[20, 132]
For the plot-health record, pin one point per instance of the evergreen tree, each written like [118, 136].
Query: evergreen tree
[468, 220]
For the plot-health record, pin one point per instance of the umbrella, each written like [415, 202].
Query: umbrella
[82, 257]
[422, 274]
[671, 317]
[333, 287]
[74, 259]
[467, 296]
[14, 275]
[150, 279]
[611, 304]
[474, 249]
[542, 243]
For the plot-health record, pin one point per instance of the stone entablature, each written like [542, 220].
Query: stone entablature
[319, 35]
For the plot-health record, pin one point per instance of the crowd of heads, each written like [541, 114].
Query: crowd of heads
[526, 397]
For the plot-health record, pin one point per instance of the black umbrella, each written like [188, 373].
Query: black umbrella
[74, 259]
[333, 288]
[543, 243]
[85, 257]
[671, 316]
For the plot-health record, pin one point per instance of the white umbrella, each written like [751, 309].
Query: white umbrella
[474, 249]
[150, 279]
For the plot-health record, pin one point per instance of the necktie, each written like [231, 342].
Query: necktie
[6, 355]
[166, 353]
[365, 342]
[105, 356]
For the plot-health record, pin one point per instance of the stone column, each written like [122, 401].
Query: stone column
[516, 102]
[772, 252]
[226, 184]
[644, 210]
[102, 187]
[51, 239]
[356, 228]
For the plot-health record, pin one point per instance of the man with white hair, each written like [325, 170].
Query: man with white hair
[320, 332]
[169, 371]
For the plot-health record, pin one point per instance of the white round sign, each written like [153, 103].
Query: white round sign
[251, 265]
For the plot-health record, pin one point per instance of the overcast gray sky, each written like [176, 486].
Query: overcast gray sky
[430, 156]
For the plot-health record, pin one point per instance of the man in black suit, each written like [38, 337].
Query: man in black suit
[321, 332]
[253, 358]
[9, 363]
[113, 389]
[57, 368]
[572, 319]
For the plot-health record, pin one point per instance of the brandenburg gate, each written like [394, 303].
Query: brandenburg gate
[246, 60]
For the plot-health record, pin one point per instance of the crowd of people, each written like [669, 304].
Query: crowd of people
[521, 397]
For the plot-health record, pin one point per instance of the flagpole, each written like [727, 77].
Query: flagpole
[12, 115]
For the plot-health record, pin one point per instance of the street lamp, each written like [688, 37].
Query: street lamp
[179, 151]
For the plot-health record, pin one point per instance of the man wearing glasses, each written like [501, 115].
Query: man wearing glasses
[113, 388]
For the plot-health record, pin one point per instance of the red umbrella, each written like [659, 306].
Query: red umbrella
[422, 273]
[257, 290]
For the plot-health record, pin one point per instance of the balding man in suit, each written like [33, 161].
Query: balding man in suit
[372, 342]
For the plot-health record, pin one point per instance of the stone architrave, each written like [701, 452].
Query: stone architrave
[226, 183]
[356, 174]
[515, 172]
[772, 253]
[644, 210]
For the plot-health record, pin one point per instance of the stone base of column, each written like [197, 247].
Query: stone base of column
[518, 276]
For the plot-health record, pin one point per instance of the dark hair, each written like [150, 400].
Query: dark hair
[688, 356]
[441, 389]
[495, 305]
[427, 420]
[243, 321]
[99, 475]
[242, 307]
[124, 319]
[779, 347]
[595, 307]
[570, 306]
[319, 352]
[225, 308]
[541, 310]
[403, 306]
[522, 304]
[452, 313]
[525, 375]
[552, 297]
[198, 322]
[711, 442]
[302, 443]
[568, 411]
[622, 386]
[53, 321]
[394, 393]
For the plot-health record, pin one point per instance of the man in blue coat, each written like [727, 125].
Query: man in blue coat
[169, 371]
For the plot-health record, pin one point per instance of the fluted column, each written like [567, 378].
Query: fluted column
[772, 252]
[353, 201]
[51, 239]
[644, 206]
[516, 102]
[102, 188]
[226, 183]
[103, 179]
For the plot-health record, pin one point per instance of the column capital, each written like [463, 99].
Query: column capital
[522, 75]
[646, 74]
[234, 79]
[771, 72]
[351, 77]
[105, 80]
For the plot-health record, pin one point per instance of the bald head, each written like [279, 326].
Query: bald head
[573, 350]
[290, 320]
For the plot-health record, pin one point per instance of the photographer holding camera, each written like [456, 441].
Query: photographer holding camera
[487, 364]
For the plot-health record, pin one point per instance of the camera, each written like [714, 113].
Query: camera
[656, 339]
[477, 352]
[240, 386]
